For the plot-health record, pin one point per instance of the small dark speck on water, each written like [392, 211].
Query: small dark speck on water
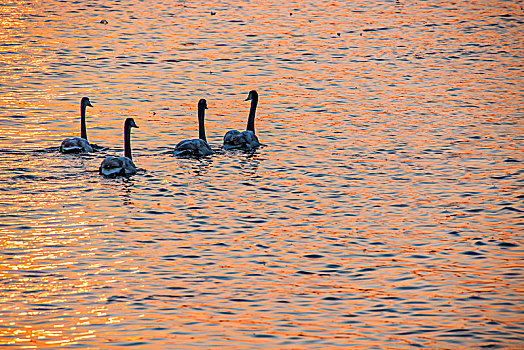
[213, 13]
[104, 21]
[338, 34]
[291, 13]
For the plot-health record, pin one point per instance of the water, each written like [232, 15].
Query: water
[385, 209]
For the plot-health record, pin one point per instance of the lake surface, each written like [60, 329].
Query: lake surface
[385, 209]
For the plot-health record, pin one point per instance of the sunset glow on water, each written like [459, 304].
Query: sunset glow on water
[383, 210]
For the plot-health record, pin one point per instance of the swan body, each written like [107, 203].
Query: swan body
[195, 148]
[246, 140]
[235, 139]
[79, 144]
[121, 166]
[192, 148]
[117, 166]
[75, 145]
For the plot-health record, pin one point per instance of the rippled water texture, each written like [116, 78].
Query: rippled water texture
[385, 209]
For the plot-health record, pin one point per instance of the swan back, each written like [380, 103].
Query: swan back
[75, 145]
[192, 148]
[117, 166]
[240, 140]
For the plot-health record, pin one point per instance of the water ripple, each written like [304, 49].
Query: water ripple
[382, 211]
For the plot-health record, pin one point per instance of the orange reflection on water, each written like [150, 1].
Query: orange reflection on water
[383, 210]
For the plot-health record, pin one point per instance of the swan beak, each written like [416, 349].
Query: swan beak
[89, 104]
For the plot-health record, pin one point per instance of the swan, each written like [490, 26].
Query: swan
[196, 147]
[247, 139]
[121, 166]
[79, 144]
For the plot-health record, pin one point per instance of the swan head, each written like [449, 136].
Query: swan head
[85, 102]
[130, 123]
[253, 95]
[202, 103]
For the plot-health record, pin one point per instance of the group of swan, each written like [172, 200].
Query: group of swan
[124, 166]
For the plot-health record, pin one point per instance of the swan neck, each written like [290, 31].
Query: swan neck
[252, 111]
[127, 141]
[83, 129]
[201, 129]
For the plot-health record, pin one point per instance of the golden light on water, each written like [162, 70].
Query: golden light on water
[383, 209]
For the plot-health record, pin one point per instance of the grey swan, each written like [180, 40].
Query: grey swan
[246, 140]
[121, 166]
[195, 148]
[79, 144]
